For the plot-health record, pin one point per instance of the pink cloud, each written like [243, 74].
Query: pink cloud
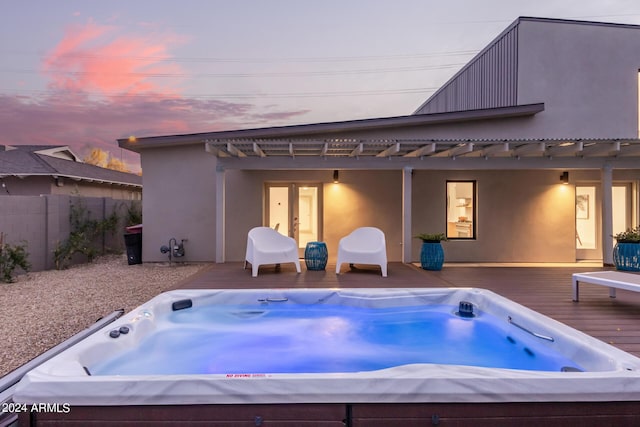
[94, 58]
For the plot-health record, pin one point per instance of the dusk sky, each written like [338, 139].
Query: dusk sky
[84, 73]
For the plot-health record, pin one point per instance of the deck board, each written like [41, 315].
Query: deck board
[544, 289]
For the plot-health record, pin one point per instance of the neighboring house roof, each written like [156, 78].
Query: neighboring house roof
[60, 151]
[58, 161]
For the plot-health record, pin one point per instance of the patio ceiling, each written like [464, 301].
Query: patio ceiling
[408, 151]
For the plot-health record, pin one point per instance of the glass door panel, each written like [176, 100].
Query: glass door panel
[621, 208]
[587, 223]
[307, 215]
[295, 211]
[278, 209]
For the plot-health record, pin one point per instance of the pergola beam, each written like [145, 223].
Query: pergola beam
[565, 149]
[458, 150]
[258, 150]
[495, 150]
[629, 150]
[390, 151]
[234, 151]
[530, 148]
[357, 151]
[412, 148]
[601, 149]
[425, 150]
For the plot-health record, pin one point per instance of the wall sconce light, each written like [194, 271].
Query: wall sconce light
[336, 177]
[564, 178]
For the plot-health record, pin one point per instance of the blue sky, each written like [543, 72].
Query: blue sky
[84, 73]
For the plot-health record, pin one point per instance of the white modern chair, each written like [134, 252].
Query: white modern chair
[365, 245]
[267, 246]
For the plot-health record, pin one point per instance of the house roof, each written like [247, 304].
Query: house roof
[302, 145]
[32, 160]
[328, 128]
[60, 151]
[497, 65]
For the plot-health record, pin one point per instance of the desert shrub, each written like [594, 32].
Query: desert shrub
[12, 257]
[84, 233]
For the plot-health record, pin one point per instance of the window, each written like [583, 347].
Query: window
[461, 212]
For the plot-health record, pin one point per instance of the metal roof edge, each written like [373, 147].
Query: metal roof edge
[577, 22]
[333, 127]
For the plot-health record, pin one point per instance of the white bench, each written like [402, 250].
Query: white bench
[612, 279]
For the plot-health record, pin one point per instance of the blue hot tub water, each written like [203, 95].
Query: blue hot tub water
[295, 338]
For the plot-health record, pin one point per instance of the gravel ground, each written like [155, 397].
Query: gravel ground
[42, 309]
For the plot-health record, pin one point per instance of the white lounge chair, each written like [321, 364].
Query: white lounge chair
[365, 245]
[267, 246]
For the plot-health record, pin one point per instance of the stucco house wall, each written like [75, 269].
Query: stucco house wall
[178, 202]
[522, 216]
[365, 198]
[586, 75]
[34, 186]
[371, 198]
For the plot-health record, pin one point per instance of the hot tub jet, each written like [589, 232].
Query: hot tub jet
[465, 309]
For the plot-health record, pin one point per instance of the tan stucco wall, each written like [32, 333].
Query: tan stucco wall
[179, 202]
[361, 198]
[522, 216]
[365, 198]
[515, 210]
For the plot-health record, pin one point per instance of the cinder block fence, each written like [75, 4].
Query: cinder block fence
[43, 222]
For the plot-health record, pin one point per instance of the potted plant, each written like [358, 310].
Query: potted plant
[626, 253]
[431, 253]
[631, 235]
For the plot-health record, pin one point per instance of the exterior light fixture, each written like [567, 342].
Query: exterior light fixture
[564, 178]
[336, 177]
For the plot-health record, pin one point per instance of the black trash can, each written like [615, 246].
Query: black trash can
[133, 242]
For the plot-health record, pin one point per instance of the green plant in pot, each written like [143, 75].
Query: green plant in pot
[630, 235]
[626, 253]
[431, 253]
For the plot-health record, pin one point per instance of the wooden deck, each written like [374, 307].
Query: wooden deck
[544, 289]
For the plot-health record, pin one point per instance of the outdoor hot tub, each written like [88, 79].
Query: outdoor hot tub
[333, 349]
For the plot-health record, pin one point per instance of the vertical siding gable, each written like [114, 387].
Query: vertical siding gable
[490, 80]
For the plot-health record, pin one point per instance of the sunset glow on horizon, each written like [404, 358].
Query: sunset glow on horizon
[85, 74]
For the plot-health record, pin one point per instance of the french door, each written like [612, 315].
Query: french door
[295, 210]
[589, 221]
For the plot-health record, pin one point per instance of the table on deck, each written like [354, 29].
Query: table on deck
[612, 279]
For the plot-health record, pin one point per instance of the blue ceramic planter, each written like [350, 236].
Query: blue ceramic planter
[626, 256]
[431, 256]
[316, 255]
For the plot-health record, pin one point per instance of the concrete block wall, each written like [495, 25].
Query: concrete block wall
[42, 222]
